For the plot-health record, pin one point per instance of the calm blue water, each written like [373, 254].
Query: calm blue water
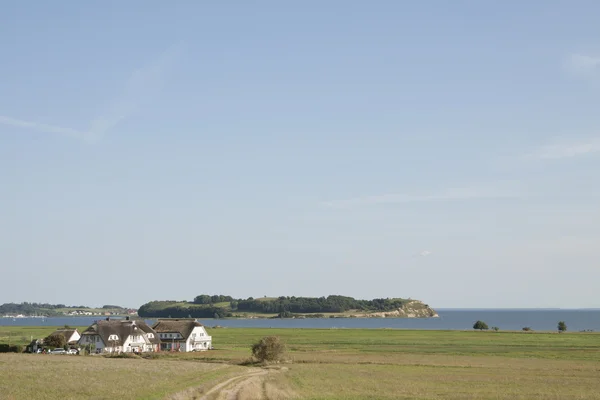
[576, 320]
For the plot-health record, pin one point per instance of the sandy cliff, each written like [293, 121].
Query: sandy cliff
[412, 309]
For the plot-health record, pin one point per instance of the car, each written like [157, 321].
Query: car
[58, 350]
[72, 351]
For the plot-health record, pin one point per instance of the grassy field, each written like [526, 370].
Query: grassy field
[29, 376]
[334, 364]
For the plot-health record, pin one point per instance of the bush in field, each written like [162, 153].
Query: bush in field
[495, 328]
[562, 327]
[17, 348]
[527, 329]
[480, 325]
[268, 349]
[55, 340]
[6, 348]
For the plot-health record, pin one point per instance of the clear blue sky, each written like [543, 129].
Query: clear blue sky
[444, 151]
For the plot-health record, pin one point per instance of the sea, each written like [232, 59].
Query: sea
[449, 319]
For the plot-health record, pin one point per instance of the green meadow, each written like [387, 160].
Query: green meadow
[326, 364]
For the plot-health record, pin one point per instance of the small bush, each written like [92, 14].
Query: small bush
[17, 348]
[527, 329]
[562, 327]
[285, 314]
[269, 349]
[55, 340]
[495, 328]
[5, 348]
[480, 325]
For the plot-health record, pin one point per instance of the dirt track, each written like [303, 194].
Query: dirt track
[253, 385]
[232, 388]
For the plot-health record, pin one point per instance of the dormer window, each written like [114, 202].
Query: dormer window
[113, 338]
[151, 335]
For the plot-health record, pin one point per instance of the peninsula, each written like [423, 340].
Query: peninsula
[333, 306]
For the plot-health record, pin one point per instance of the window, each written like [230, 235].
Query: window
[151, 335]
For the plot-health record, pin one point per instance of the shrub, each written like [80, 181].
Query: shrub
[285, 314]
[495, 328]
[562, 327]
[5, 348]
[527, 329]
[16, 348]
[55, 340]
[480, 325]
[268, 349]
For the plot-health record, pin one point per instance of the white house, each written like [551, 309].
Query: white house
[71, 335]
[183, 334]
[120, 336]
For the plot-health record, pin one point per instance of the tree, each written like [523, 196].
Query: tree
[202, 299]
[480, 325]
[55, 340]
[285, 314]
[562, 327]
[268, 349]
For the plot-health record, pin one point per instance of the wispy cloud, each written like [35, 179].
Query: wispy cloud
[583, 65]
[425, 253]
[452, 194]
[143, 85]
[42, 127]
[566, 150]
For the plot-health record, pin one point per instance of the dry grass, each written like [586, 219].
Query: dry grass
[24, 376]
[488, 380]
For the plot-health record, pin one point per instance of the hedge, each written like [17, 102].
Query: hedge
[5, 348]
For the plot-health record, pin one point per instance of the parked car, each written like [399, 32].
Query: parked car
[58, 350]
[72, 351]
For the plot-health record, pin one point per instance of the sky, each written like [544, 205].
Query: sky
[442, 151]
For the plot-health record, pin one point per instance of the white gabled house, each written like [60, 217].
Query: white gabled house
[182, 334]
[120, 336]
[71, 335]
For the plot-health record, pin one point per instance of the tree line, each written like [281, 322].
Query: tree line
[174, 309]
[46, 309]
[26, 308]
[329, 304]
[205, 306]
